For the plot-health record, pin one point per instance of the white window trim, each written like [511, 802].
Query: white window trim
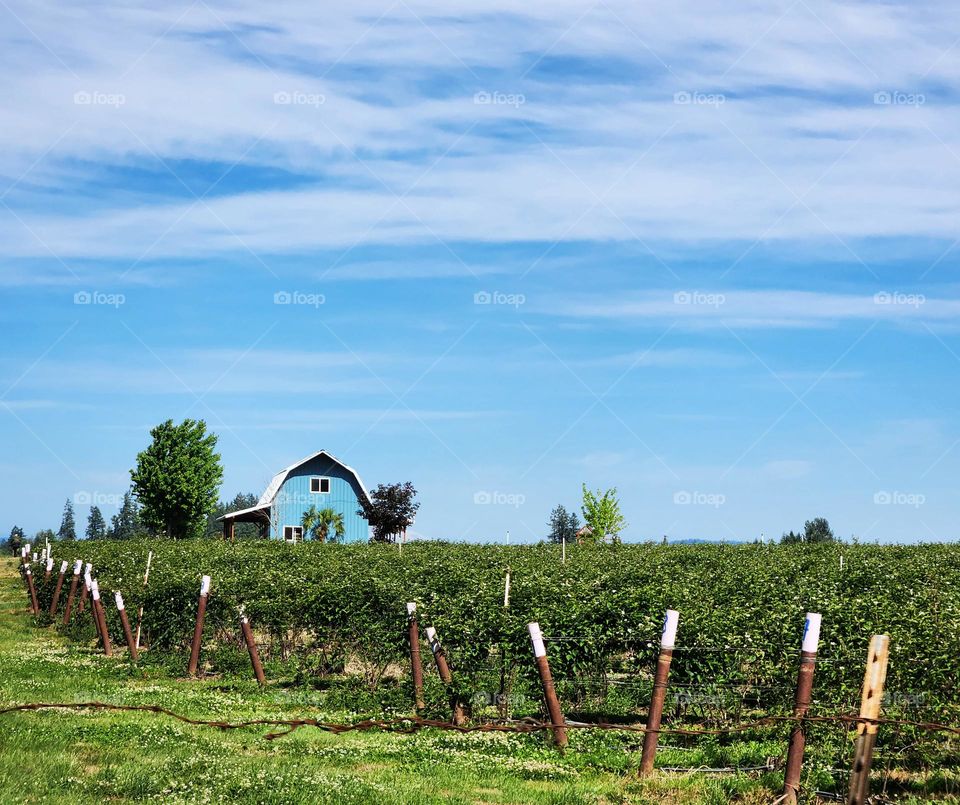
[321, 479]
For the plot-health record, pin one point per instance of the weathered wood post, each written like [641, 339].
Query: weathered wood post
[459, 717]
[125, 622]
[198, 629]
[798, 736]
[77, 565]
[56, 590]
[34, 606]
[416, 665]
[874, 677]
[506, 589]
[252, 650]
[146, 578]
[651, 737]
[557, 722]
[101, 616]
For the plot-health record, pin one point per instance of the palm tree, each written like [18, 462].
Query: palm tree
[320, 524]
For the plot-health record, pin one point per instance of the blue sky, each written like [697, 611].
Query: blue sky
[704, 255]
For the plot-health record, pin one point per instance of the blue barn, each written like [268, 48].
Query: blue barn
[320, 480]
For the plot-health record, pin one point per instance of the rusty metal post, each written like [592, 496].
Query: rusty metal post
[198, 629]
[34, 606]
[252, 649]
[56, 590]
[874, 677]
[125, 622]
[98, 613]
[651, 737]
[459, 717]
[77, 565]
[85, 592]
[549, 692]
[801, 703]
[416, 666]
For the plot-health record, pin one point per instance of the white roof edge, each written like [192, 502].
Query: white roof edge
[231, 515]
[266, 499]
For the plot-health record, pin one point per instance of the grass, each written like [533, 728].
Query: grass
[80, 756]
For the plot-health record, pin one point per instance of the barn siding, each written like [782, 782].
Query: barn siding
[295, 497]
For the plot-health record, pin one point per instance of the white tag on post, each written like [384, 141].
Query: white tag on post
[668, 638]
[811, 633]
[536, 637]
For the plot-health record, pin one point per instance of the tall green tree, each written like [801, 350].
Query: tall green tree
[125, 524]
[96, 525]
[563, 525]
[177, 477]
[68, 526]
[325, 525]
[241, 530]
[390, 510]
[817, 530]
[601, 511]
[15, 540]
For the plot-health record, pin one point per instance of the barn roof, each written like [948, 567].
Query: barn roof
[267, 498]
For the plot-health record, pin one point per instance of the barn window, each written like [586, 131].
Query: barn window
[320, 485]
[293, 533]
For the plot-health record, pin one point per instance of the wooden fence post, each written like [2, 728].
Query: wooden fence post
[34, 606]
[146, 578]
[252, 650]
[416, 665]
[125, 622]
[651, 737]
[56, 590]
[198, 629]
[98, 612]
[459, 718]
[546, 680]
[874, 677]
[77, 565]
[801, 703]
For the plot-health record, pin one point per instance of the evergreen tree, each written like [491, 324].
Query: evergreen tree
[68, 527]
[96, 525]
[241, 530]
[125, 524]
[563, 525]
[15, 541]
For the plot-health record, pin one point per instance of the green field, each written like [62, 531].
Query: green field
[330, 621]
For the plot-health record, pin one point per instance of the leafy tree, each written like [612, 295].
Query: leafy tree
[563, 525]
[177, 477]
[96, 525]
[390, 511]
[68, 526]
[790, 538]
[15, 540]
[601, 512]
[44, 535]
[320, 524]
[125, 524]
[241, 530]
[817, 530]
